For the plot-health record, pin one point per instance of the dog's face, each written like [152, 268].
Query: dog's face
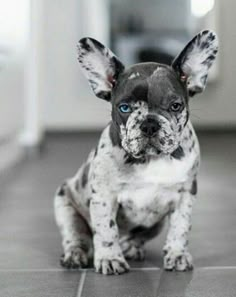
[149, 100]
[150, 109]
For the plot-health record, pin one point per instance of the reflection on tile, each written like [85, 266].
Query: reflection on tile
[212, 283]
[199, 283]
[133, 284]
[174, 284]
[38, 284]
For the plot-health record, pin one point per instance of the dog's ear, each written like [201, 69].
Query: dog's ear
[193, 63]
[100, 66]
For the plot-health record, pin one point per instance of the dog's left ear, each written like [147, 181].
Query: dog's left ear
[194, 62]
[100, 66]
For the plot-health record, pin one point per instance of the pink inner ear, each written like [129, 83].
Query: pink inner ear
[111, 79]
[183, 77]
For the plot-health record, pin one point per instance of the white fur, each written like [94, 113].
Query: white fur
[134, 75]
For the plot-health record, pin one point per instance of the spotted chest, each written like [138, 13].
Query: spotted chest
[149, 191]
[145, 206]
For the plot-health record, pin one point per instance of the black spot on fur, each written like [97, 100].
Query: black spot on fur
[84, 44]
[193, 190]
[88, 201]
[162, 141]
[93, 191]
[102, 146]
[112, 223]
[204, 79]
[85, 175]
[104, 95]
[61, 191]
[178, 154]
[95, 152]
[107, 244]
[96, 202]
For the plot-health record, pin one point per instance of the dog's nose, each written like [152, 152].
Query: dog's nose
[150, 126]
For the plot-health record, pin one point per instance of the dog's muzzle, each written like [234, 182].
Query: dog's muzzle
[150, 126]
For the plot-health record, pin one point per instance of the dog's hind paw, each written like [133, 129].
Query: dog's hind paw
[132, 251]
[74, 258]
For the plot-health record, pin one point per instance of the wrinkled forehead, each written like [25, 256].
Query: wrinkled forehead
[150, 82]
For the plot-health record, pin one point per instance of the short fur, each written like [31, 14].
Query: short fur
[145, 166]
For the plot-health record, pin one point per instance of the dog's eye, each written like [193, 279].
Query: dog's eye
[125, 108]
[175, 106]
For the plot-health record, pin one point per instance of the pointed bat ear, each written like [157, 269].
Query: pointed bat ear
[195, 60]
[100, 66]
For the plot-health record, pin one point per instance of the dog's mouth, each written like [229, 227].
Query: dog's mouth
[150, 149]
[153, 147]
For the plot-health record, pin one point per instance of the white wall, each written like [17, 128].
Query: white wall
[68, 102]
[217, 106]
[13, 30]
[11, 98]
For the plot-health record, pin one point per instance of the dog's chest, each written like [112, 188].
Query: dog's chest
[146, 192]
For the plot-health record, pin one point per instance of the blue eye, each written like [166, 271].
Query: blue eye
[124, 107]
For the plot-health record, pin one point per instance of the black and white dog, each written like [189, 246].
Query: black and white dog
[145, 165]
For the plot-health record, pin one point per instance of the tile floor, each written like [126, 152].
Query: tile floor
[30, 243]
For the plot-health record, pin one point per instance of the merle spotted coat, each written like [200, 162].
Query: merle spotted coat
[144, 168]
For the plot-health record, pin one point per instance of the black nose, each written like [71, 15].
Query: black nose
[150, 126]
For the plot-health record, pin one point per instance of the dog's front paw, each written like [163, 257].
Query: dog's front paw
[74, 257]
[177, 260]
[116, 265]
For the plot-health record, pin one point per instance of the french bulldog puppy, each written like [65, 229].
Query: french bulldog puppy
[144, 168]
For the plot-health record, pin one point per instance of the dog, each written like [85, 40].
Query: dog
[144, 168]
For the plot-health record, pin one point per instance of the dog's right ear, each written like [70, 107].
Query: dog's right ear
[100, 66]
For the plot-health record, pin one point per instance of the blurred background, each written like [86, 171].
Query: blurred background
[42, 88]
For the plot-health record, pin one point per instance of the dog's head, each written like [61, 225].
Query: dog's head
[149, 100]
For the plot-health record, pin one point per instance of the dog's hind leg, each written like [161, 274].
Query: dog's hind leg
[133, 244]
[76, 234]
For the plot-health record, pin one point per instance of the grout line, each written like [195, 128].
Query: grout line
[81, 284]
[70, 270]
[144, 268]
[217, 267]
[85, 270]
[34, 270]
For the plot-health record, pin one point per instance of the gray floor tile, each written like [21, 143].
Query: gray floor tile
[133, 284]
[38, 284]
[212, 283]
[199, 283]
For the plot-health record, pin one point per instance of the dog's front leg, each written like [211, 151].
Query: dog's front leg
[108, 257]
[177, 256]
